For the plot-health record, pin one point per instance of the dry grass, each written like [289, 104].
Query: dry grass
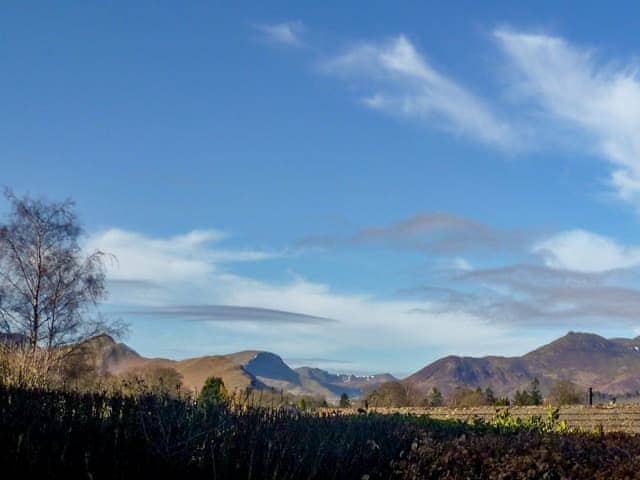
[611, 418]
[21, 366]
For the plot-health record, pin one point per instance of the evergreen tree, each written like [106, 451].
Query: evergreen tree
[435, 398]
[344, 401]
[490, 396]
[213, 392]
[521, 398]
[529, 397]
[535, 395]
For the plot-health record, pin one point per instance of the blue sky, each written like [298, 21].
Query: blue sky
[354, 186]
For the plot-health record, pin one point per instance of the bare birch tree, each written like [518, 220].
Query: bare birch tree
[48, 285]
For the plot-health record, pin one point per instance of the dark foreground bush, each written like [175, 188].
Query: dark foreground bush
[523, 455]
[65, 435]
[68, 435]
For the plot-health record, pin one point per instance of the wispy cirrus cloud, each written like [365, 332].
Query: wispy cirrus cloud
[599, 99]
[285, 33]
[553, 86]
[596, 101]
[396, 78]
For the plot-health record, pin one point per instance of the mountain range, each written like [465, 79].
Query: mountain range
[610, 366]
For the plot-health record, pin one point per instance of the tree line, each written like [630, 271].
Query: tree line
[401, 394]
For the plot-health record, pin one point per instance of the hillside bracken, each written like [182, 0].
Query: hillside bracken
[53, 434]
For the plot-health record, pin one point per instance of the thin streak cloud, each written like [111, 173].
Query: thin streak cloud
[227, 313]
[396, 78]
[285, 33]
[430, 232]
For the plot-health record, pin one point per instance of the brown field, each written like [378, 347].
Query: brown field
[611, 418]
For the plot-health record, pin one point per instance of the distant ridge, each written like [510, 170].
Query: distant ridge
[589, 360]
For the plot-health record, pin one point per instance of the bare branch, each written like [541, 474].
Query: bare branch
[48, 287]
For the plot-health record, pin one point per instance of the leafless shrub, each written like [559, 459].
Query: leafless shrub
[21, 366]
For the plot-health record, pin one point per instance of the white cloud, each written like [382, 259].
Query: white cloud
[584, 251]
[184, 270]
[462, 264]
[185, 273]
[175, 258]
[402, 82]
[598, 100]
[287, 33]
